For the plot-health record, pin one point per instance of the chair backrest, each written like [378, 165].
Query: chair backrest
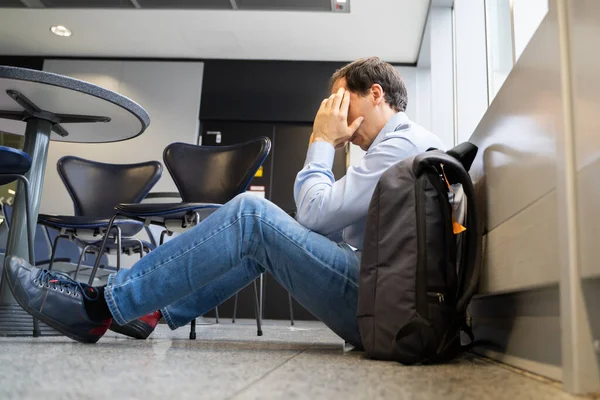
[96, 188]
[214, 174]
[3, 228]
[13, 161]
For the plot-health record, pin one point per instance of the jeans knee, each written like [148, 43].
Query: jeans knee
[248, 202]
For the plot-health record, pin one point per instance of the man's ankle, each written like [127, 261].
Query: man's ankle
[95, 303]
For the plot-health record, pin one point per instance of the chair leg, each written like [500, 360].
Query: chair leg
[36, 328]
[30, 224]
[234, 308]
[260, 296]
[217, 314]
[81, 257]
[54, 246]
[164, 233]
[141, 249]
[101, 249]
[119, 249]
[30, 235]
[193, 330]
[257, 311]
[291, 310]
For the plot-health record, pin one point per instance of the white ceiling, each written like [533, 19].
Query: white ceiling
[390, 29]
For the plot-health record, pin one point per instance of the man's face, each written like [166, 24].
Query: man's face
[360, 106]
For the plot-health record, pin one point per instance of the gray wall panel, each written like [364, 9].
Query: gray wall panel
[586, 95]
[515, 169]
[517, 135]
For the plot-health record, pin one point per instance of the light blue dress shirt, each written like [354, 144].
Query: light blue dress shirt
[327, 206]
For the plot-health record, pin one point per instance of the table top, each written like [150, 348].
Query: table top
[59, 94]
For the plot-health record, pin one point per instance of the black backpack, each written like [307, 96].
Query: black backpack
[417, 273]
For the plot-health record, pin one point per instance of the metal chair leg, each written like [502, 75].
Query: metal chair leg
[193, 330]
[119, 248]
[80, 261]
[257, 311]
[141, 248]
[30, 237]
[164, 233]
[54, 245]
[36, 328]
[101, 249]
[260, 296]
[291, 309]
[217, 314]
[30, 224]
[234, 308]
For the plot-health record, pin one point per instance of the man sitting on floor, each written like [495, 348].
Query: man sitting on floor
[248, 236]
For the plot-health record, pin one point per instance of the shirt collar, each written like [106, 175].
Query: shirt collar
[390, 126]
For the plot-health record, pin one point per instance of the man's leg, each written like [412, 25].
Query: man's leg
[249, 236]
[200, 302]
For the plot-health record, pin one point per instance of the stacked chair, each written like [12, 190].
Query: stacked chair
[108, 208]
[206, 177]
[96, 188]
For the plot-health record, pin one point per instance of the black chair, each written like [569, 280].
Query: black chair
[95, 189]
[206, 177]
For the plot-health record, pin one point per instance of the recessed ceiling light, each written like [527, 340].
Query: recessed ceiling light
[61, 30]
[340, 1]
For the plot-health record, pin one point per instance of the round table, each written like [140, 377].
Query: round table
[47, 106]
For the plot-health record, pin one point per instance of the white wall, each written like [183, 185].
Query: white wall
[471, 66]
[442, 74]
[168, 91]
[423, 114]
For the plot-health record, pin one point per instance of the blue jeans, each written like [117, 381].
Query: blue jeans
[203, 267]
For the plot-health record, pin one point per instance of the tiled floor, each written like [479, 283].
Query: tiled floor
[228, 361]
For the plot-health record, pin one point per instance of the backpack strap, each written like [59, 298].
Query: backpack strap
[465, 153]
[470, 271]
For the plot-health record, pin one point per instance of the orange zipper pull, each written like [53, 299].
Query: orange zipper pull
[456, 227]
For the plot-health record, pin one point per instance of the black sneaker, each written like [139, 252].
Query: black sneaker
[55, 299]
[140, 328]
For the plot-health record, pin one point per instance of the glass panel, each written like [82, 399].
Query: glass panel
[527, 16]
[500, 43]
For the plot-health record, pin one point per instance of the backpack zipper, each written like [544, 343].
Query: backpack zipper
[421, 275]
[436, 297]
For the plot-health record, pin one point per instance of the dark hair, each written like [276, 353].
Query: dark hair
[363, 73]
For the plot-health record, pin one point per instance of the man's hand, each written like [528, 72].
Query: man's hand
[331, 122]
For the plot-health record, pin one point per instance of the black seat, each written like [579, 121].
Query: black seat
[96, 188]
[128, 227]
[206, 177]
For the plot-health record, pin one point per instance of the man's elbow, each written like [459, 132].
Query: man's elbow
[309, 221]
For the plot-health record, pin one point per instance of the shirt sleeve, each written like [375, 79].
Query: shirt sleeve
[325, 205]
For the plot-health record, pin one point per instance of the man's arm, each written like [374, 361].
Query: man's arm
[326, 206]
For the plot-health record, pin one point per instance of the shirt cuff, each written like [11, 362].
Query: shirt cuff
[321, 152]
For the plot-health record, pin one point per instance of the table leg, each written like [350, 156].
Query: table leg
[13, 320]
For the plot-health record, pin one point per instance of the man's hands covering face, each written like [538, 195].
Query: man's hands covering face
[331, 122]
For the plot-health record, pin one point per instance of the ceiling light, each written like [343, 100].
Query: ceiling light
[10, 191]
[340, 1]
[61, 30]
